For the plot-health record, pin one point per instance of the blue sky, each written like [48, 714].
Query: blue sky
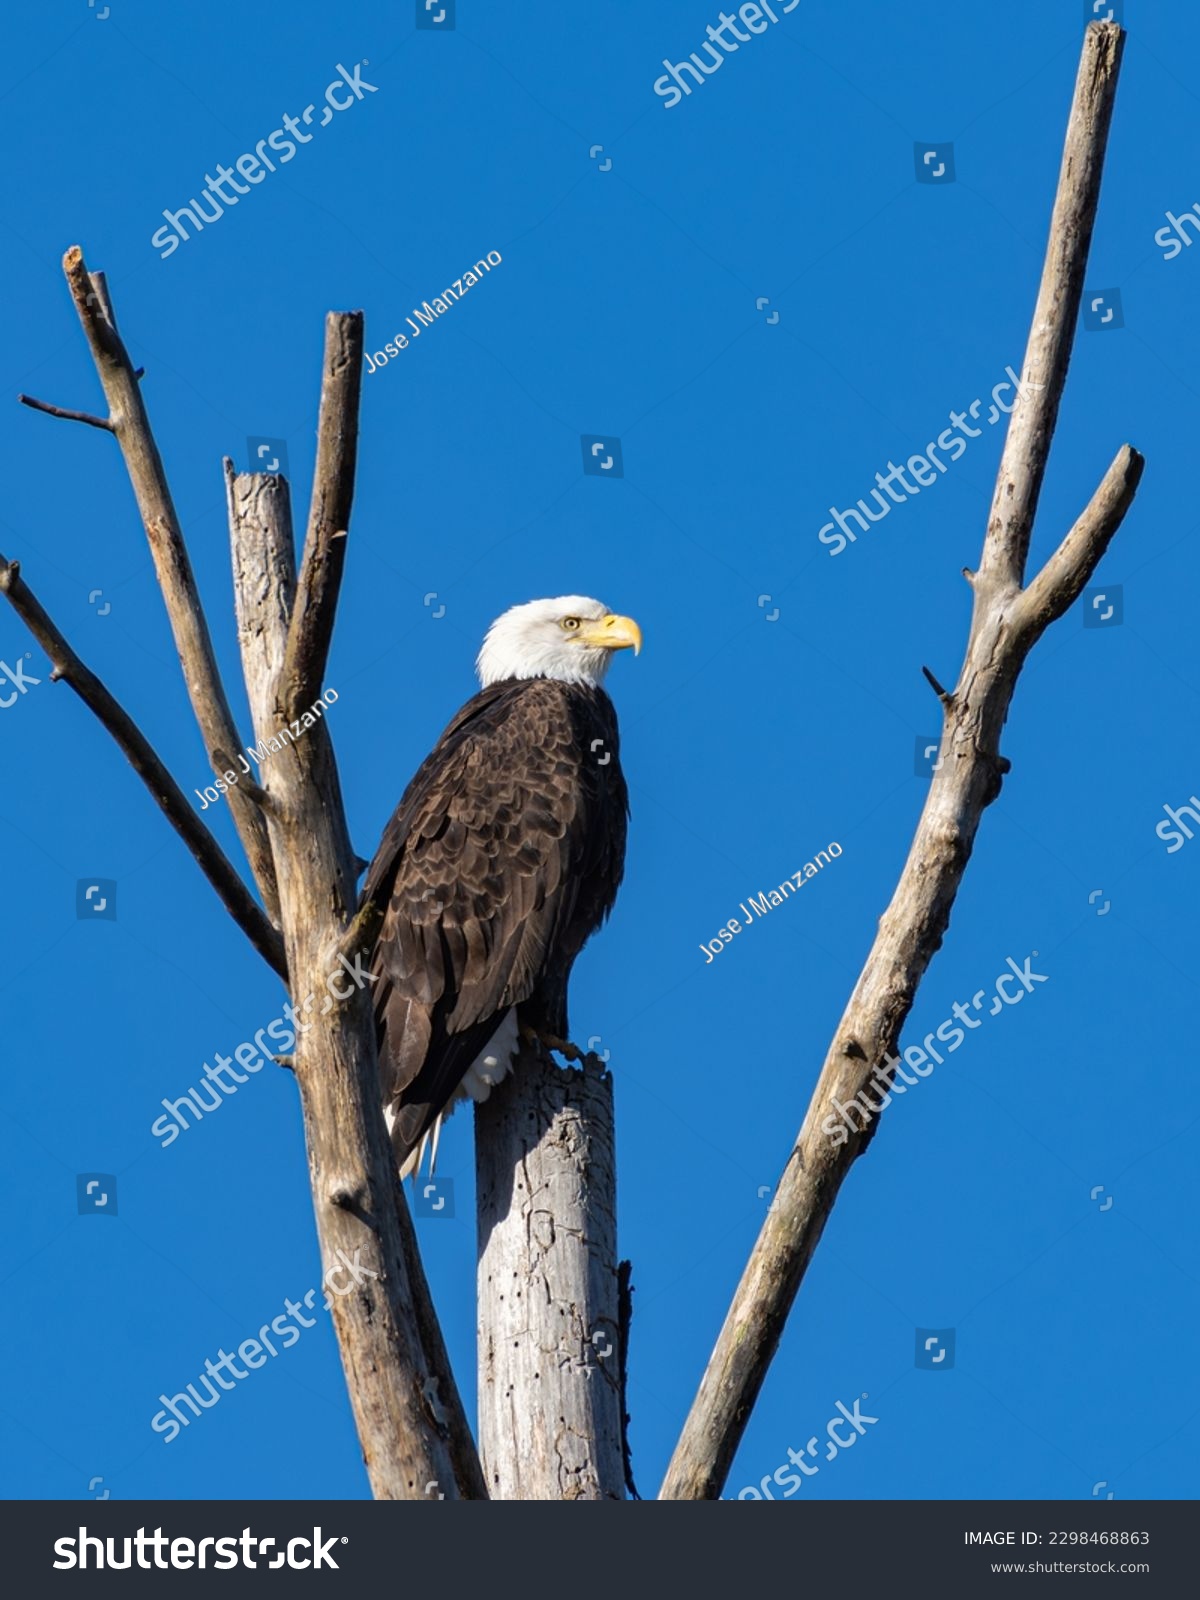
[754, 734]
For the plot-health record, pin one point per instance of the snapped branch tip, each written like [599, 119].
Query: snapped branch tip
[943, 695]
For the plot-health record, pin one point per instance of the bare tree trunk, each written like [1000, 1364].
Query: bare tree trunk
[550, 1392]
[400, 1412]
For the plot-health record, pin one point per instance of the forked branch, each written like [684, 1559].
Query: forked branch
[1006, 622]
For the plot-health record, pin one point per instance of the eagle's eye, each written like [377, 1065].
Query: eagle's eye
[570, 623]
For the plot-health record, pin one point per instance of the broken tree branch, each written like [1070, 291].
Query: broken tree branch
[941, 693]
[329, 514]
[1052, 332]
[1064, 577]
[128, 420]
[1006, 621]
[67, 415]
[142, 757]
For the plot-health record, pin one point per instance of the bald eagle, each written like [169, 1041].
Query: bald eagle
[503, 857]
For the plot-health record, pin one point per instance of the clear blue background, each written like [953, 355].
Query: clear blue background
[625, 305]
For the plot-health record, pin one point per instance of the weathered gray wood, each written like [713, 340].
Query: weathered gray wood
[320, 582]
[550, 1411]
[129, 422]
[1006, 622]
[1056, 314]
[406, 1413]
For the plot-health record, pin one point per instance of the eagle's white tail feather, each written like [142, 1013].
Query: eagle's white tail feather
[437, 1134]
[412, 1168]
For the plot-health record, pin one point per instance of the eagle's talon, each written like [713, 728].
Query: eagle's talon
[553, 1043]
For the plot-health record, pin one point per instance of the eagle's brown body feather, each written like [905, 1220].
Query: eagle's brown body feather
[501, 859]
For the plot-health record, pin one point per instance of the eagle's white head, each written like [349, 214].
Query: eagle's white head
[571, 639]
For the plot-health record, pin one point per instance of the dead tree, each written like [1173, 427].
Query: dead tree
[411, 1425]
[552, 1321]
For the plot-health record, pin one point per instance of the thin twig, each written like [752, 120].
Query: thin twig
[66, 414]
[167, 794]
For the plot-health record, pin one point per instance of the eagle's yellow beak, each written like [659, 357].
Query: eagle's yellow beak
[612, 633]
